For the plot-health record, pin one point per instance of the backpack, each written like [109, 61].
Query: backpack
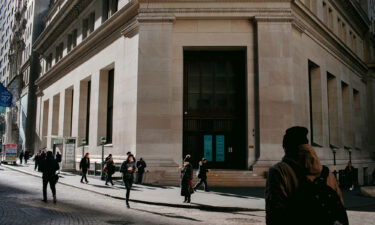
[317, 203]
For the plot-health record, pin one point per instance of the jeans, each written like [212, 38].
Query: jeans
[202, 181]
[52, 185]
[109, 179]
[84, 175]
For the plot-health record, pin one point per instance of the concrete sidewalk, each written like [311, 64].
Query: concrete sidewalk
[158, 195]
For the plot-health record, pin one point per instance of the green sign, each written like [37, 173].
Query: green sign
[58, 141]
[103, 140]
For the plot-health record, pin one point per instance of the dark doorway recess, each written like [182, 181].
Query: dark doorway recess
[215, 108]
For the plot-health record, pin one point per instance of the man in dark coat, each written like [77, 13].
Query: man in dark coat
[42, 157]
[141, 165]
[49, 166]
[21, 156]
[27, 156]
[202, 175]
[84, 165]
[58, 159]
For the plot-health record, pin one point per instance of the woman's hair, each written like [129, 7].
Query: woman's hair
[130, 156]
[309, 160]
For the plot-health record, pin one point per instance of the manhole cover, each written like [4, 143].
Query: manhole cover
[119, 222]
[243, 220]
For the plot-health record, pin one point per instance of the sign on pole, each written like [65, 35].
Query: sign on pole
[69, 162]
[10, 153]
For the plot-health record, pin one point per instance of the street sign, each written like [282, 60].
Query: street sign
[103, 140]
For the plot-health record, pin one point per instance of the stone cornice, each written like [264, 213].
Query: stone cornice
[319, 32]
[355, 15]
[62, 20]
[109, 31]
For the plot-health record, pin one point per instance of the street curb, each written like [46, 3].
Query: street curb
[197, 206]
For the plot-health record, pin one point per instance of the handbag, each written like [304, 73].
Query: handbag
[105, 170]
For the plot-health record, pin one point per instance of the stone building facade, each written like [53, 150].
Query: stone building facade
[220, 79]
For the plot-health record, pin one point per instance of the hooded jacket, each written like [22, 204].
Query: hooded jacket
[282, 183]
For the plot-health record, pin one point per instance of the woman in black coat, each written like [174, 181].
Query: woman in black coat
[110, 170]
[84, 165]
[186, 179]
[128, 168]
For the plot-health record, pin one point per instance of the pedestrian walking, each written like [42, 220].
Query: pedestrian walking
[49, 166]
[84, 165]
[110, 169]
[107, 158]
[59, 159]
[141, 165]
[41, 159]
[26, 156]
[186, 179]
[128, 168]
[349, 176]
[299, 189]
[21, 156]
[202, 175]
[36, 160]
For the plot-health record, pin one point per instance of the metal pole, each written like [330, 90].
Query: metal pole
[334, 163]
[102, 164]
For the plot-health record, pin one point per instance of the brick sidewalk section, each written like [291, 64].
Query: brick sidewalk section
[156, 195]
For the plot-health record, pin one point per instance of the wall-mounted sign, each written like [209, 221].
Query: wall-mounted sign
[220, 148]
[208, 147]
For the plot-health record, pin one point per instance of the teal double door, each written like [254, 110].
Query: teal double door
[215, 108]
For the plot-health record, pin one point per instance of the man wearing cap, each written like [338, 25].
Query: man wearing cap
[202, 175]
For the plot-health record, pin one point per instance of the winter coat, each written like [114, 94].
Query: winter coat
[49, 167]
[85, 163]
[282, 183]
[202, 172]
[141, 165]
[27, 155]
[58, 158]
[126, 173]
[186, 180]
[111, 168]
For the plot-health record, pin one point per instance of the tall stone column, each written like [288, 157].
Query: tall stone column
[156, 140]
[278, 102]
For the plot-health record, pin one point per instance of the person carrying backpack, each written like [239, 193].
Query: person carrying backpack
[299, 189]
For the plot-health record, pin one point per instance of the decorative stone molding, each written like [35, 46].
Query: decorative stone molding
[101, 37]
[298, 25]
[131, 29]
[325, 37]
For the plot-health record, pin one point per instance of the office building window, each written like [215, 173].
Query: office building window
[110, 105]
